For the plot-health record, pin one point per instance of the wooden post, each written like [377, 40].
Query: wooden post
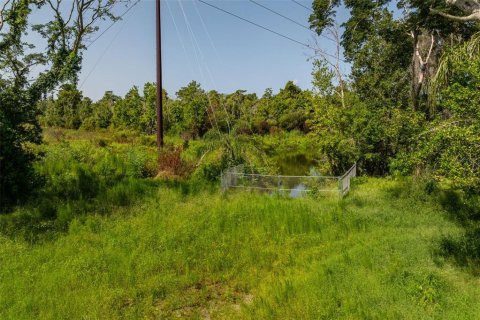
[159, 80]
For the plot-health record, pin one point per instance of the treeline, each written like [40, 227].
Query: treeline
[192, 112]
[348, 124]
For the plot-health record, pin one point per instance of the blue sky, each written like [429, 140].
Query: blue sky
[221, 52]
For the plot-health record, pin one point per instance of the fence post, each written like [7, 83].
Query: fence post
[340, 187]
[222, 182]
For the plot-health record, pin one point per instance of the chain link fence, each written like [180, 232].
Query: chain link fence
[294, 186]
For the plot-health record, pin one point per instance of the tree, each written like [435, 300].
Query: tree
[21, 88]
[103, 110]
[148, 121]
[194, 104]
[127, 112]
[218, 111]
[394, 60]
[449, 146]
[387, 52]
[64, 111]
[86, 110]
[290, 104]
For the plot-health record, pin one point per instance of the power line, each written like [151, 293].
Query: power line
[253, 23]
[301, 5]
[215, 50]
[269, 30]
[111, 25]
[180, 38]
[287, 18]
[200, 58]
[279, 14]
[111, 42]
[103, 54]
[208, 69]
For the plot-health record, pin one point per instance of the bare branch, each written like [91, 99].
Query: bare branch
[470, 7]
[431, 48]
[333, 60]
[2, 10]
[475, 16]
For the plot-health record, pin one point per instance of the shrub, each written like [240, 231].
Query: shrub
[170, 161]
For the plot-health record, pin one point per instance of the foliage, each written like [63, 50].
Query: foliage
[65, 110]
[220, 151]
[194, 103]
[358, 132]
[21, 87]
[191, 114]
[127, 112]
[18, 127]
[449, 147]
[148, 118]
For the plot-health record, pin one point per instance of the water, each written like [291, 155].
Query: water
[298, 191]
[296, 164]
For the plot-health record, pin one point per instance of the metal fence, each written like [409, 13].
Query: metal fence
[295, 186]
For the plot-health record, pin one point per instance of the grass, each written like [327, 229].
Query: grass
[103, 240]
[177, 254]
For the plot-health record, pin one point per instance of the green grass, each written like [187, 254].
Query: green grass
[176, 254]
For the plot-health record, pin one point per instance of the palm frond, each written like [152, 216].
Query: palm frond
[454, 56]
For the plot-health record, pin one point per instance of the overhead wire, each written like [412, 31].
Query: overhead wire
[179, 37]
[301, 5]
[287, 18]
[206, 31]
[192, 39]
[103, 54]
[218, 59]
[279, 14]
[113, 23]
[110, 43]
[199, 59]
[270, 30]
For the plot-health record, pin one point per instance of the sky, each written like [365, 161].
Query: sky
[203, 44]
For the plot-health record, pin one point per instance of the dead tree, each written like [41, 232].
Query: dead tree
[424, 62]
[333, 34]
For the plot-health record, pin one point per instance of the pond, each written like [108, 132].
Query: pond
[296, 164]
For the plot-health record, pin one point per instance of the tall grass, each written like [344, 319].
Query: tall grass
[81, 178]
[246, 256]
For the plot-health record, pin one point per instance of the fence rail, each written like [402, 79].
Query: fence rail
[237, 178]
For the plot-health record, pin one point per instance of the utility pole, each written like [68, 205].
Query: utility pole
[159, 81]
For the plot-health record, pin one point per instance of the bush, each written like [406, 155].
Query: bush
[170, 161]
[19, 130]
[211, 167]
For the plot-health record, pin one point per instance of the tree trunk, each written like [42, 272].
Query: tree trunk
[414, 71]
[424, 63]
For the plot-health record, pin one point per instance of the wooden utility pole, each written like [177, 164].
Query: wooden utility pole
[159, 81]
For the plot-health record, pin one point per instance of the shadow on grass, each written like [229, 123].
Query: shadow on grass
[462, 208]
[49, 214]
[46, 216]
[463, 250]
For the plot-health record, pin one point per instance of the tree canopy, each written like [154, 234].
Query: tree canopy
[22, 86]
